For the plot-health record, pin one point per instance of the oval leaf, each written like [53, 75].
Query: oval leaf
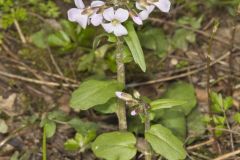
[94, 92]
[135, 47]
[115, 146]
[165, 143]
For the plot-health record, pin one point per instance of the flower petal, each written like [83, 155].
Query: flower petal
[97, 3]
[120, 30]
[138, 6]
[79, 4]
[74, 14]
[108, 14]
[83, 21]
[121, 14]
[150, 8]
[144, 15]
[137, 19]
[163, 5]
[96, 19]
[108, 27]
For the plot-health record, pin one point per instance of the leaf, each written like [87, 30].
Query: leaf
[195, 124]
[184, 92]
[59, 39]
[219, 130]
[86, 61]
[219, 120]
[115, 146]
[154, 39]
[176, 122]
[165, 143]
[165, 103]
[227, 103]
[3, 126]
[50, 128]
[82, 127]
[182, 37]
[71, 145]
[109, 107]
[39, 39]
[94, 92]
[236, 117]
[134, 45]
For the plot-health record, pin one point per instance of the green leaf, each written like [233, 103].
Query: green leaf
[217, 102]
[219, 130]
[71, 145]
[94, 92]
[50, 128]
[86, 61]
[3, 126]
[15, 156]
[182, 37]
[227, 103]
[182, 91]
[109, 107]
[219, 120]
[134, 45]
[83, 127]
[39, 39]
[196, 123]
[165, 143]
[59, 39]
[115, 146]
[176, 122]
[165, 103]
[236, 117]
[154, 39]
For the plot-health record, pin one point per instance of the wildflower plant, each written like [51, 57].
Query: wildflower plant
[101, 13]
[117, 18]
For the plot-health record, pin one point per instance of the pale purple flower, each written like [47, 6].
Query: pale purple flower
[115, 19]
[146, 9]
[147, 6]
[133, 113]
[136, 18]
[83, 16]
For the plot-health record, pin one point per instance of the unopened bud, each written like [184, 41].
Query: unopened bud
[124, 96]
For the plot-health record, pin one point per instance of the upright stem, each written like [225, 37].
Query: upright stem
[121, 108]
[148, 151]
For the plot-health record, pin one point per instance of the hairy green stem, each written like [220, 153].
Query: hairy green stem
[121, 108]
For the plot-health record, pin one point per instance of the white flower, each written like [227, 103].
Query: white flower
[115, 18]
[136, 18]
[147, 6]
[146, 9]
[163, 5]
[84, 15]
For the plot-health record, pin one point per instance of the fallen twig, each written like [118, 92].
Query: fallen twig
[178, 76]
[226, 156]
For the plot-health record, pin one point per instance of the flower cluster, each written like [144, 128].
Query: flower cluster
[111, 19]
